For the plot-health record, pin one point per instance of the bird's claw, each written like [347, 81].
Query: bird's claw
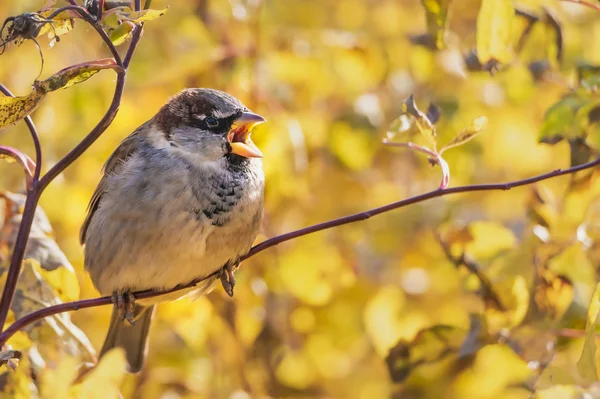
[125, 303]
[227, 278]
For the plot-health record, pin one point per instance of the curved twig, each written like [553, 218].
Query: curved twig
[39, 185]
[85, 15]
[88, 303]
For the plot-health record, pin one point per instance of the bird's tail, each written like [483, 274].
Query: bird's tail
[132, 338]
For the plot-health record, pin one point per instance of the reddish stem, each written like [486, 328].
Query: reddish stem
[38, 187]
[88, 303]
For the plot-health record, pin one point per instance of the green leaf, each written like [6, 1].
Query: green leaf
[586, 365]
[588, 76]
[477, 126]
[119, 35]
[426, 128]
[75, 74]
[436, 13]
[494, 29]
[560, 120]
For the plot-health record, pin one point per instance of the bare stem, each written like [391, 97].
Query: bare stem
[85, 15]
[88, 303]
[38, 187]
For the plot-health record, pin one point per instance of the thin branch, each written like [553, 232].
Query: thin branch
[34, 136]
[14, 270]
[135, 38]
[39, 186]
[487, 291]
[88, 303]
[85, 15]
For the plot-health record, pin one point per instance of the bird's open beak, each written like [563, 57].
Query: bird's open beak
[239, 135]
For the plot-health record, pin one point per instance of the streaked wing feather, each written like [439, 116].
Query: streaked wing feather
[117, 158]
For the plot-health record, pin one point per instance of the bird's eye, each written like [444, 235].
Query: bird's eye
[211, 122]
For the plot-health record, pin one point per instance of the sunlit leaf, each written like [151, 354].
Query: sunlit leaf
[495, 368]
[56, 381]
[436, 13]
[120, 34]
[119, 22]
[429, 346]
[61, 23]
[295, 370]
[143, 16]
[586, 365]
[553, 294]
[515, 298]
[13, 109]
[494, 29]
[489, 239]
[19, 383]
[75, 74]
[477, 126]
[563, 392]
[105, 379]
[402, 127]
[423, 123]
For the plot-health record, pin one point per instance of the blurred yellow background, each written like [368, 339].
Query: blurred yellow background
[316, 316]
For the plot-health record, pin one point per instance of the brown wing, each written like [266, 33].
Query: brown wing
[117, 158]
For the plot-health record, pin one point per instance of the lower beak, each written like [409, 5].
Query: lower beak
[239, 135]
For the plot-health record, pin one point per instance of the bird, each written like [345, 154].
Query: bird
[180, 200]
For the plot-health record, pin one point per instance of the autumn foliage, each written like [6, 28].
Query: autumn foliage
[422, 113]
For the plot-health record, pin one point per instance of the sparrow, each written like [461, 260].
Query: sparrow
[180, 198]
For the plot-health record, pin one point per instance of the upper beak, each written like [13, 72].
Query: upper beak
[239, 135]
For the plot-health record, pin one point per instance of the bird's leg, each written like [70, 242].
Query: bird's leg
[227, 277]
[125, 302]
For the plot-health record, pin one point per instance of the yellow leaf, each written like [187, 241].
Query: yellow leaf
[61, 23]
[489, 239]
[13, 109]
[56, 381]
[494, 28]
[295, 370]
[476, 127]
[423, 123]
[429, 346]
[515, 298]
[495, 368]
[120, 34]
[586, 365]
[104, 380]
[553, 294]
[75, 74]
[143, 16]
[19, 384]
[62, 280]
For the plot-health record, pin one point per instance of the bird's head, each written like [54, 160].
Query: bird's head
[208, 125]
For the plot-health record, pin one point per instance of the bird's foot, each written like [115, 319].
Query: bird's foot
[125, 302]
[227, 277]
